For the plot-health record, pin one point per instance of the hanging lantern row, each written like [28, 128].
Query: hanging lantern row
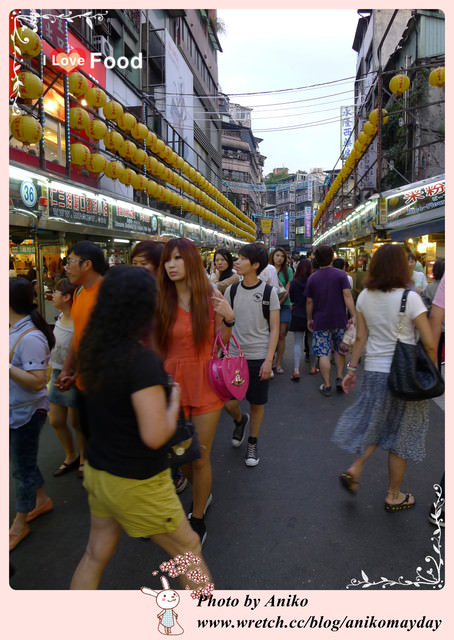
[114, 141]
[28, 130]
[115, 170]
[362, 142]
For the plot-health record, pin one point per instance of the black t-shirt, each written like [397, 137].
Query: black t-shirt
[114, 444]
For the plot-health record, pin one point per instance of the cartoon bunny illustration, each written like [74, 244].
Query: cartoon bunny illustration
[167, 600]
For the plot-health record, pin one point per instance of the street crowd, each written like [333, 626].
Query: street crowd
[129, 357]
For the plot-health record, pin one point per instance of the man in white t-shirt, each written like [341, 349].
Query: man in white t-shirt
[258, 339]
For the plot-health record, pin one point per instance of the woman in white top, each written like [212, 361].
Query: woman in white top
[418, 278]
[378, 418]
[63, 405]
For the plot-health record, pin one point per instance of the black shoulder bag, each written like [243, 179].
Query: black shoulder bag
[413, 375]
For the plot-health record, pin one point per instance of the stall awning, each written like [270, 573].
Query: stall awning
[418, 225]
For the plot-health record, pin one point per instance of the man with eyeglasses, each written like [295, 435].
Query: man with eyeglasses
[85, 267]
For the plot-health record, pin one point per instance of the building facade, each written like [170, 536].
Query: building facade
[115, 135]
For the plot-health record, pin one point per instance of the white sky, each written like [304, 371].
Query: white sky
[269, 50]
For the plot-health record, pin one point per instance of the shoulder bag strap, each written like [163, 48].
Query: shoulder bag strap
[403, 305]
[11, 353]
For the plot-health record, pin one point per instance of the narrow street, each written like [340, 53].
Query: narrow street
[286, 524]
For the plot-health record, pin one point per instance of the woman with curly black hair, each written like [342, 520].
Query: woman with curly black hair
[132, 412]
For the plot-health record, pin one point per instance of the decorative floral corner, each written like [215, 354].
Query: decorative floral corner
[32, 22]
[431, 577]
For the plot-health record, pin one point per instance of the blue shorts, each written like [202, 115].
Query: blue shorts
[323, 342]
[62, 398]
[285, 314]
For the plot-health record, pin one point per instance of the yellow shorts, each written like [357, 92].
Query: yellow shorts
[142, 507]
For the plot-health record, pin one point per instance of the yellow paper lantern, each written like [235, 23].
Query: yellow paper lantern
[28, 41]
[437, 77]
[179, 162]
[127, 177]
[139, 131]
[151, 140]
[362, 138]
[159, 147]
[79, 154]
[113, 140]
[140, 157]
[78, 118]
[369, 129]
[96, 129]
[96, 97]
[152, 187]
[26, 129]
[373, 116]
[78, 84]
[152, 165]
[30, 87]
[126, 121]
[139, 182]
[96, 163]
[114, 170]
[112, 110]
[399, 84]
[127, 149]
[161, 170]
[166, 154]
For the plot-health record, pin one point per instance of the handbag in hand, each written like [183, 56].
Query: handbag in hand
[228, 375]
[413, 375]
[184, 446]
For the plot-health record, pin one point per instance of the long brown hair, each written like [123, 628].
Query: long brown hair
[199, 286]
[388, 269]
[284, 266]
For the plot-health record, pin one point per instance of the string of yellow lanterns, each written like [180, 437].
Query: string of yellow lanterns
[128, 150]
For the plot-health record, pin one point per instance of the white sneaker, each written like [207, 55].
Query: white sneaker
[252, 458]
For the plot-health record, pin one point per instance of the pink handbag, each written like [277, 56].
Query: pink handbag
[229, 375]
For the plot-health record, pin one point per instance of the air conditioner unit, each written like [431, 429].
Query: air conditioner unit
[102, 45]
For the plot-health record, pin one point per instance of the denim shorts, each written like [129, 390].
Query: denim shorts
[63, 398]
[323, 342]
[285, 314]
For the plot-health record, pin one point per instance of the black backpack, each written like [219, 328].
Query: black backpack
[265, 300]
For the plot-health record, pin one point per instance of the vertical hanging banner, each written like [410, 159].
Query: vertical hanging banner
[347, 122]
[308, 222]
[179, 95]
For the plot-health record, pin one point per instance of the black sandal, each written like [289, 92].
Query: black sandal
[401, 506]
[66, 467]
[348, 482]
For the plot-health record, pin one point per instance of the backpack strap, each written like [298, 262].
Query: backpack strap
[233, 290]
[266, 302]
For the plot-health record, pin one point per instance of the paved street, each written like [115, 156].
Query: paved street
[284, 525]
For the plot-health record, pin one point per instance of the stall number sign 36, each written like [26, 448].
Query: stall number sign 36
[28, 193]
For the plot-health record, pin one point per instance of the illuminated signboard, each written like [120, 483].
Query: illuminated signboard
[78, 207]
[416, 200]
[126, 217]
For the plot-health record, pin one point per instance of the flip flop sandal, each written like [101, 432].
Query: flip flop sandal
[348, 482]
[39, 511]
[401, 506]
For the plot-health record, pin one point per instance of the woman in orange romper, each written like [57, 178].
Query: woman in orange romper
[190, 313]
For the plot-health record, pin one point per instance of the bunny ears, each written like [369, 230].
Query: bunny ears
[149, 592]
